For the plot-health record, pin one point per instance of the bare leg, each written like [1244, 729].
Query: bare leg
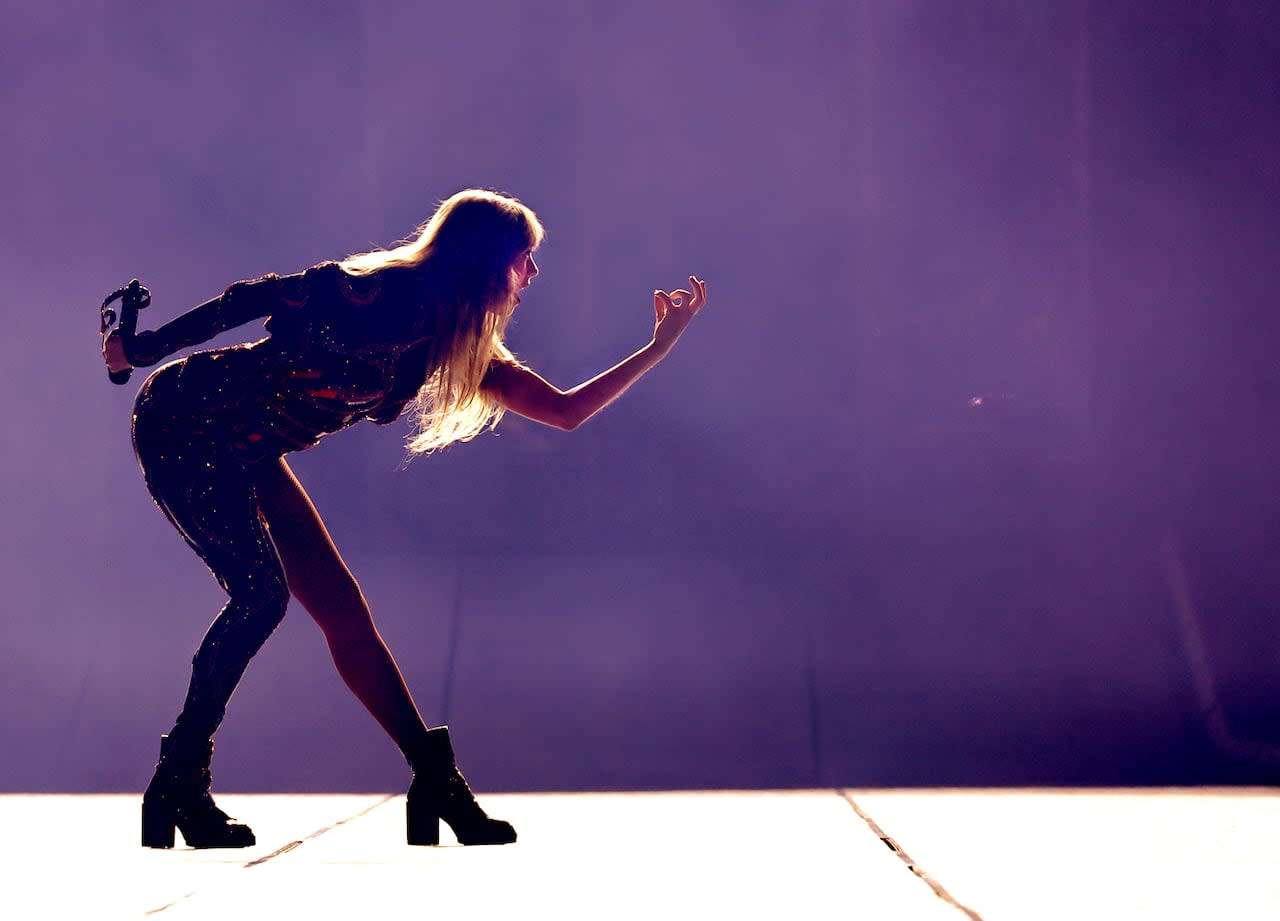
[321, 581]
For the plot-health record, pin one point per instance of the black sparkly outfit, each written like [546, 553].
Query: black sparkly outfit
[340, 349]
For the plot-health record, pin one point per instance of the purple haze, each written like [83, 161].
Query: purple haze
[966, 475]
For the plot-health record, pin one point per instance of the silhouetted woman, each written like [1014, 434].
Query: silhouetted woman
[419, 326]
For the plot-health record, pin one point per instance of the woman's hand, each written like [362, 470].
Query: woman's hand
[113, 353]
[675, 310]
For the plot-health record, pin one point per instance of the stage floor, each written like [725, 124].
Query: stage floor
[998, 855]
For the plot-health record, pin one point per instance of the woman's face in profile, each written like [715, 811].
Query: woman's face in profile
[523, 272]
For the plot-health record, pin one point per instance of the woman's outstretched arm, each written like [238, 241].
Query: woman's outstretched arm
[527, 394]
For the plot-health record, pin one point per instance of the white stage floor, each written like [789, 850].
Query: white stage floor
[997, 855]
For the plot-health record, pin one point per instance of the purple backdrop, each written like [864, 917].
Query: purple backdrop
[966, 476]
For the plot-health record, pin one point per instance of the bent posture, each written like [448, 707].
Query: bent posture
[419, 326]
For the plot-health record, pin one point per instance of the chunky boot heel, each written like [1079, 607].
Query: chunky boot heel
[179, 797]
[157, 826]
[421, 829]
[439, 793]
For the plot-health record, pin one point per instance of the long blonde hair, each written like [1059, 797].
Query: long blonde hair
[463, 257]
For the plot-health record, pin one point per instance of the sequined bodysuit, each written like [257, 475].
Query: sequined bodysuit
[341, 349]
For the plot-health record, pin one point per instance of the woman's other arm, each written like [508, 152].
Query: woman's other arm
[527, 394]
[242, 302]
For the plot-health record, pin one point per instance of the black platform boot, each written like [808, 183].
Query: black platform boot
[439, 791]
[179, 797]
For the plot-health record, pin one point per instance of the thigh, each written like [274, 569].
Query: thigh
[213, 505]
[316, 573]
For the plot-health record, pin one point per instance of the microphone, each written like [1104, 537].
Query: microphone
[124, 322]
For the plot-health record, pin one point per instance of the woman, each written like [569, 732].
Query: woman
[421, 326]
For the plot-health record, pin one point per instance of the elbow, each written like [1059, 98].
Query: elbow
[568, 414]
[568, 422]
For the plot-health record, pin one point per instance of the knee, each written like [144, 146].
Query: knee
[264, 594]
[253, 612]
[338, 609]
[276, 592]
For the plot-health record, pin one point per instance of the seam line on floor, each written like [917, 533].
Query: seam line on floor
[184, 899]
[938, 889]
[320, 831]
[178, 901]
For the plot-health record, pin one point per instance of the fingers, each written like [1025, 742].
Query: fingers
[699, 293]
[692, 299]
[681, 298]
[661, 303]
[113, 353]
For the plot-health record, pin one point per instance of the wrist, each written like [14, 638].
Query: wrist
[139, 350]
[659, 350]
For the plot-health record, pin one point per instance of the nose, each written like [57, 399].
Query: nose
[533, 269]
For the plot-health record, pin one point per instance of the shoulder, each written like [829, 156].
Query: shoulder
[329, 281]
[291, 291]
[363, 288]
[505, 375]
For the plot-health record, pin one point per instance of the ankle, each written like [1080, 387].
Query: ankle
[431, 753]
